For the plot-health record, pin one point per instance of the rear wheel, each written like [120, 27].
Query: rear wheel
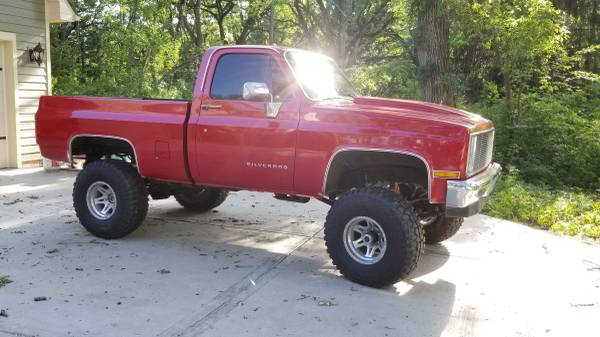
[201, 200]
[110, 198]
[441, 228]
[373, 236]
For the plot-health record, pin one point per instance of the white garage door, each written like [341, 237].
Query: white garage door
[3, 112]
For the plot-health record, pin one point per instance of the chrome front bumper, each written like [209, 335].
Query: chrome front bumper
[467, 197]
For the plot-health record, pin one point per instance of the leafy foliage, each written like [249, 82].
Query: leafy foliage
[568, 212]
[396, 78]
[557, 140]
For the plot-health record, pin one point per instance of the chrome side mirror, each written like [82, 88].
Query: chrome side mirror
[257, 91]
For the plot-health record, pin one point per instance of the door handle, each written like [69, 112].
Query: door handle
[210, 106]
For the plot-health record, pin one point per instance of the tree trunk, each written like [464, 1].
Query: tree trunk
[432, 36]
[342, 32]
[508, 96]
[198, 25]
[221, 25]
[272, 24]
[195, 30]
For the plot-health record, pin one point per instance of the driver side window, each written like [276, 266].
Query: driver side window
[233, 70]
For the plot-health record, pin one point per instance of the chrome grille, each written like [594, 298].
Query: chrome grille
[481, 146]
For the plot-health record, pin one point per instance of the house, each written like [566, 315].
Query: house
[25, 73]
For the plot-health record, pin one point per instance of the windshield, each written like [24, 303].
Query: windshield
[319, 76]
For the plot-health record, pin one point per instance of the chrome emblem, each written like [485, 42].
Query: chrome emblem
[266, 165]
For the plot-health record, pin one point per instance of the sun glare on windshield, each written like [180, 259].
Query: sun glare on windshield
[319, 76]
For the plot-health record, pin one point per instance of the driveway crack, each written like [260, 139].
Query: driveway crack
[225, 302]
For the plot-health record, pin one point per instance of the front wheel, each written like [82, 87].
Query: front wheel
[373, 236]
[110, 198]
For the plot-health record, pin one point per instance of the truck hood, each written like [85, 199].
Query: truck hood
[417, 110]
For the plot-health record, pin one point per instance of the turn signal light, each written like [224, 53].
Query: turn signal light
[446, 174]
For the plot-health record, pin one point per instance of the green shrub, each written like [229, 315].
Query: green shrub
[396, 78]
[568, 212]
[553, 138]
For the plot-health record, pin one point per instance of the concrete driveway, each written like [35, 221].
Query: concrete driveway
[257, 266]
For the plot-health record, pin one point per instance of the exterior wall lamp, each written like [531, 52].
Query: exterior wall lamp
[36, 54]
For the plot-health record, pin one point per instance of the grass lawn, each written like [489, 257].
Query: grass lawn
[565, 212]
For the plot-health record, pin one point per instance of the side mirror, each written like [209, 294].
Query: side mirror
[256, 91]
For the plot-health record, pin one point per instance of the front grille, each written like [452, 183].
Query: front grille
[481, 146]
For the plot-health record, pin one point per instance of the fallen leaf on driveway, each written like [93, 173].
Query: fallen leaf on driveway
[320, 301]
[4, 280]
[323, 302]
[13, 202]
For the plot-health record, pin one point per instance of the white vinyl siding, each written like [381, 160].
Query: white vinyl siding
[26, 19]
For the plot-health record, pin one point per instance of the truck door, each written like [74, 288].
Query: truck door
[237, 144]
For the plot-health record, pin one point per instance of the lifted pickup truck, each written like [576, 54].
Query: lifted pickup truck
[397, 173]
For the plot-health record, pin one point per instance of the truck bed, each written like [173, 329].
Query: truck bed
[155, 128]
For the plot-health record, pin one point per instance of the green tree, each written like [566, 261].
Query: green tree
[432, 34]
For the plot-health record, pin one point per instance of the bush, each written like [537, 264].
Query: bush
[396, 78]
[567, 212]
[553, 139]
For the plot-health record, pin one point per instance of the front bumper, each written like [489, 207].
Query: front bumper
[467, 197]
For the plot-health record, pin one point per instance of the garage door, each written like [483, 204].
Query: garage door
[3, 127]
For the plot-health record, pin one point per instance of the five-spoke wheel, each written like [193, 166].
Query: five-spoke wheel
[365, 240]
[101, 200]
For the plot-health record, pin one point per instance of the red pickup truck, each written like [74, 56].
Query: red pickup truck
[397, 173]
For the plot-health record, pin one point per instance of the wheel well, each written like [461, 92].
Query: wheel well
[352, 169]
[96, 147]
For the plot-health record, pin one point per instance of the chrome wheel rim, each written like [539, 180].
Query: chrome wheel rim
[365, 240]
[101, 200]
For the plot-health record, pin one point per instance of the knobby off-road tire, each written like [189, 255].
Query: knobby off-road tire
[442, 229]
[202, 200]
[117, 183]
[389, 216]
